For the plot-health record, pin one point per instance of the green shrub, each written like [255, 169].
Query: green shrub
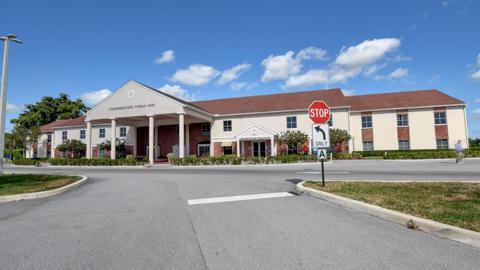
[94, 162]
[234, 160]
[342, 156]
[26, 161]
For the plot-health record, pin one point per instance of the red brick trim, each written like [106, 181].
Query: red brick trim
[441, 132]
[403, 133]
[440, 109]
[367, 134]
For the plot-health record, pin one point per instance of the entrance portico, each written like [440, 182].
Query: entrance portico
[257, 138]
[137, 106]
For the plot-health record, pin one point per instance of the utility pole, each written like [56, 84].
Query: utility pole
[3, 94]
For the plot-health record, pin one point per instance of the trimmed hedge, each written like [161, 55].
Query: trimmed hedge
[26, 161]
[234, 160]
[417, 154]
[94, 162]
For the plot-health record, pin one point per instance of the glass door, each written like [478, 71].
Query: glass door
[259, 149]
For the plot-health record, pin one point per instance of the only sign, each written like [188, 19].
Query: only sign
[319, 112]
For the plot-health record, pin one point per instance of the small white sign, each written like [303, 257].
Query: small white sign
[320, 136]
[322, 153]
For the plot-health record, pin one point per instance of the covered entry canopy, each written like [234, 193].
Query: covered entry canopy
[256, 132]
[135, 104]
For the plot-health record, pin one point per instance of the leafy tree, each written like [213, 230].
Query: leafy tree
[474, 142]
[73, 146]
[49, 109]
[338, 139]
[121, 150]
[295, 138]
[25, 137]
[339, 136]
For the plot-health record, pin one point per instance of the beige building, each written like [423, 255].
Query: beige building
[151, 124]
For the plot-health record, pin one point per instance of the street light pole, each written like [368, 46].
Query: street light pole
[3, 94]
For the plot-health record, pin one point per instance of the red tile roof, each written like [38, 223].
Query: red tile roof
[397, 100]
[273, 102]
[79, 121]
[301, 100]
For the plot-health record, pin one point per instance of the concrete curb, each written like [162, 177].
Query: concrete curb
[43, 194]
[464, 236]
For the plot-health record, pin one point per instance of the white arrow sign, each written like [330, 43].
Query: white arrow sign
[320, 135]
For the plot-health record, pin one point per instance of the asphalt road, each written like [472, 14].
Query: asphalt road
[140, 219]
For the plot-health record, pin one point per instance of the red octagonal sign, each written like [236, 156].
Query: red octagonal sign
[319, 112]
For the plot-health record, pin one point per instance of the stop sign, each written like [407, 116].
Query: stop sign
[319, 112]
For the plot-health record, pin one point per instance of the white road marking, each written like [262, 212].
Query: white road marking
[240, 198]
[326, 172]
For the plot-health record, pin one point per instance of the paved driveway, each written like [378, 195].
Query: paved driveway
[140, 219]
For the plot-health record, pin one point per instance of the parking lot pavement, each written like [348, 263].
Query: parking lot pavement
[141, 219]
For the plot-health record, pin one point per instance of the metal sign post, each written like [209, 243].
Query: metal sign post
[319, 113]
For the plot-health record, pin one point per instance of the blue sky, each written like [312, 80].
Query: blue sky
[214, 49]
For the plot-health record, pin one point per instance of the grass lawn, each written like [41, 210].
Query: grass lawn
[25, 183]
[456, 204]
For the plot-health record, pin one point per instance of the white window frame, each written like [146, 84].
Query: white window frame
[403, 148]
[292, 122]
[100, 133]
[203, 145]
[205, 132]
[64, 135]
[444, 145]
[400, 122]
[226, 126]
[363, 145]
[371, 121]
[124, 129]
[82, 131]
[440, 118]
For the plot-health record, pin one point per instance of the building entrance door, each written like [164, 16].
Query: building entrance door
[259, 149]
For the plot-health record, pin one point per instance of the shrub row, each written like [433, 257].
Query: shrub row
[354, 155]
[234, 160]
[94, 162]
[413, 154]
[26, 161]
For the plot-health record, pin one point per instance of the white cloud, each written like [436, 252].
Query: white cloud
[367, 52]
[475, 75]
[311, 53]
[309, 78]
[232, 73]
[167, 56]
[478, 60]
[92, 98]
[348, 92]
[195, 75]
[236, 86]
[177, 91]
[476, 111]
[477, 100]
[12, 108]
[280, 67]
[398, 73]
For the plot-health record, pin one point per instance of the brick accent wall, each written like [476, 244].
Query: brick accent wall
[441, 132]
[367, 134]
[403, 133]
[196, 137]
[218, 150]
[167, 138]
[440, 109]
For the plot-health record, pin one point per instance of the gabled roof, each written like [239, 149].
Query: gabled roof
[272, 102]
[79, 121]
[404, 99]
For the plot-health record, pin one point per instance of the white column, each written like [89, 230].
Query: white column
[181, 135]
[150, 138]
[272, 146]
[113, 139]
[238, 148]
[155, 142]
[134, 141]
[211, 140]
[88, 138]
[187, 140]
[350, 146]
[52, 145]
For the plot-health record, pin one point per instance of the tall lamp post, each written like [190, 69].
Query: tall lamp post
[3, 94]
